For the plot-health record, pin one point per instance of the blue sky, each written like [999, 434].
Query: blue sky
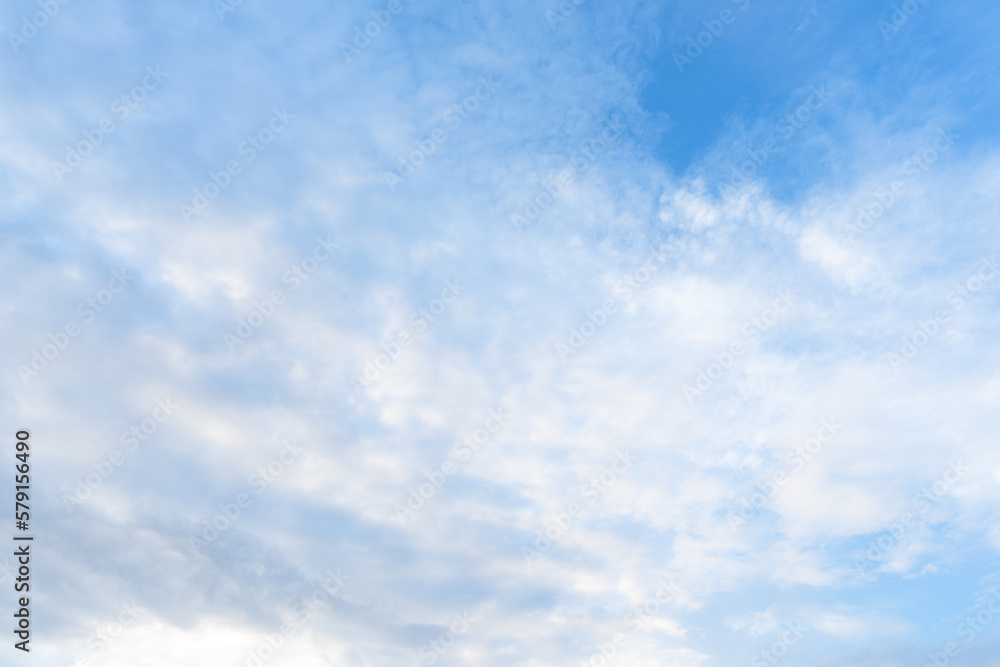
[522, 312]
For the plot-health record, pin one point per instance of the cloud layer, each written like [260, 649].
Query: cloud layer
[486, 334]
